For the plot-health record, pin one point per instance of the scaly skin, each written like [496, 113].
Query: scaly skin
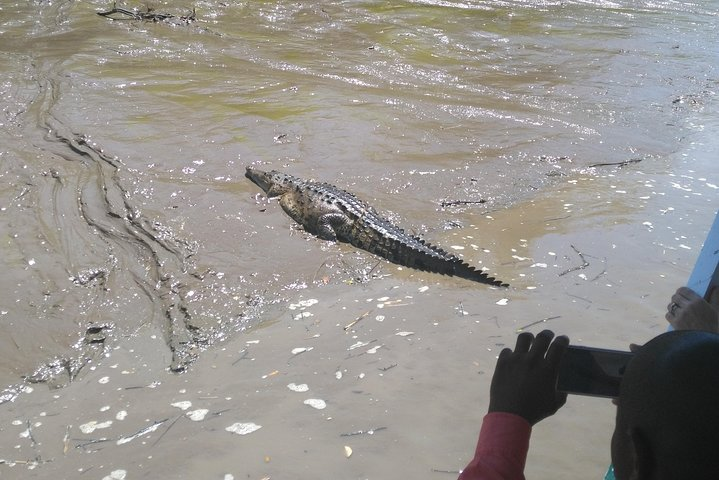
[334, 214]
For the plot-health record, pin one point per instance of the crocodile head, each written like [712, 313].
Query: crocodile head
[273, 183]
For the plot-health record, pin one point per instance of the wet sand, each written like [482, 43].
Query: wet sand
[402, 362]
[133, 245]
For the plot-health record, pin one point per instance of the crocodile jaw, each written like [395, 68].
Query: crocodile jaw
[272, 183]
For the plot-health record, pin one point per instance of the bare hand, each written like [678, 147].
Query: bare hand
[525, 380]
[689, 311]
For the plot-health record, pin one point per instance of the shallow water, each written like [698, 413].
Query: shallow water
[124, 143]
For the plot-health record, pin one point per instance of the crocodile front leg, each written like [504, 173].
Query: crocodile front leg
[330, 224]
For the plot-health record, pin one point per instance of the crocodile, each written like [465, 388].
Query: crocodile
[337, 215]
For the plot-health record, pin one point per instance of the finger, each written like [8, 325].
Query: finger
[524, 340]
[686, 294]
[678, 299]
[506, 352]
[557, 349]
[540, 344]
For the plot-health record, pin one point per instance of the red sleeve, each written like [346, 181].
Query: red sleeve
[501, 450]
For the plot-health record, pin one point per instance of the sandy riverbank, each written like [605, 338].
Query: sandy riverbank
[411, 372]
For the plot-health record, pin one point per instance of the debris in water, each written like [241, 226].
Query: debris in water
[348, 452]
[371, 431]
[302, 304]
[503, 301]
[184, 405]
[358, 345]
[298, 350]
[197, 415]
[243, 428]
[584, 264]
[352, 323]
[302, 387]
[142, 432]
[90, 427]
[404, 334]
[116, 475]
[316, 403]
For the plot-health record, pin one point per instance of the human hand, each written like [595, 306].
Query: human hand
[525, 380]
[689, 311]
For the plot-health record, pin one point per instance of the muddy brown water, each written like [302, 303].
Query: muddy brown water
[493, 129]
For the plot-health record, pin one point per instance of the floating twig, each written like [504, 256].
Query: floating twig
[616, 164]
[456, 203]
[244, 353]
[520, 329]
[66, 441]
[584, 264]
[166, 430]
[352, 323]
[30, 435]
[603, 272]
[151, 385]
[373, 268]
[92, 442]
[453, 472]
[384, 369]
[143, 431]
[363, 432]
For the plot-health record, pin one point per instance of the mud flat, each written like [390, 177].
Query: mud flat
[389, 377]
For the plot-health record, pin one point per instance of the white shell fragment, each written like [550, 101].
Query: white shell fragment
[503, 301]
[358, 345]
[90, 427]
[316, 403]
[147, 430]
[348, 451]
[298, 350]
[302, 387]
[184, 405]
[116, 475]
[404, 334]
[423, 289]
[197, 415]
[243, 428]
[303, 303]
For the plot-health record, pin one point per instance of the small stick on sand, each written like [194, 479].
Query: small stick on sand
[352, 323]
[520, 329]
[616, 164]
[371, 431]
[584, 264]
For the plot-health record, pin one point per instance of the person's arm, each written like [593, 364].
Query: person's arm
[523, 392]
[501, 449]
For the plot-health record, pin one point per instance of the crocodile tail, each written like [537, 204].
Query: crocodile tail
[427, 257]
